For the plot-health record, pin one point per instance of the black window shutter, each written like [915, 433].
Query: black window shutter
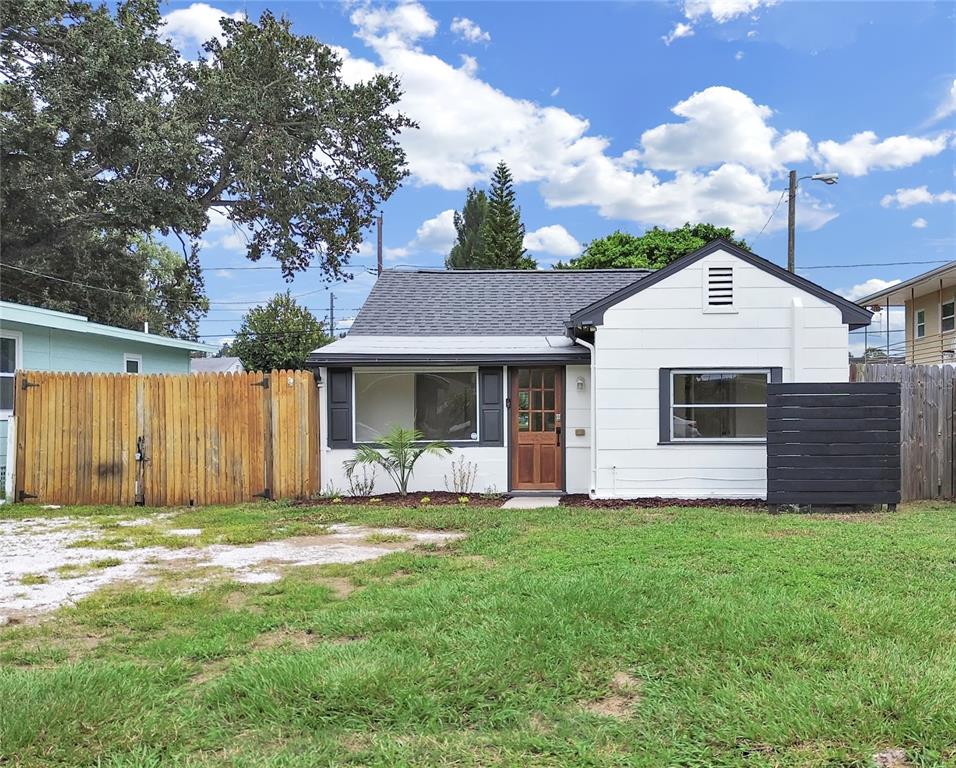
[491, 402]
[340, 407]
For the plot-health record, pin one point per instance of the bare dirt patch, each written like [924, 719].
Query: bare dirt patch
[891, 758]
[434, 498]
[284, 638]
[48, 548]
[619, 703]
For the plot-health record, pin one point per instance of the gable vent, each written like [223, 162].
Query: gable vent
[720, 287]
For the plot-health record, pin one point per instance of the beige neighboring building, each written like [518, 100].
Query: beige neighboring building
[930, 302]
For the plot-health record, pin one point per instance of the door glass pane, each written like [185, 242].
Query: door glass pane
[523, 421]
[536, 400]
[549, 400]
[523, 401]
[548, 379]
[8, 355]
[524, 378]
[536, 378]
[549, 422]
[536, 421]
[6, 393]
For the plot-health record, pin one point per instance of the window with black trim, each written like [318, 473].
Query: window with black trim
[442, 405]
[718, 404]
[947, 316]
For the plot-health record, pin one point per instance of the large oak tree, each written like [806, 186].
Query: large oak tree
[109, 134]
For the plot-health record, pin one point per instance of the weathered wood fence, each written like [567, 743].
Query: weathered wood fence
[927, 432]
[833, 443]
[165, 440]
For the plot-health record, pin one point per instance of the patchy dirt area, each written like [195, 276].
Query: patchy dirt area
[41, 569]
[418, 499]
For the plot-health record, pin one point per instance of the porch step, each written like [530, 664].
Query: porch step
[531, 502]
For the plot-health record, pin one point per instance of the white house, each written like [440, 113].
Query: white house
[616, 383]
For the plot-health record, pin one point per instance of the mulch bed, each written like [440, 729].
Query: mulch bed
[655, 502]
[435, 499]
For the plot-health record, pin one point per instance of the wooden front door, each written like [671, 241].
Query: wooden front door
[537, 456]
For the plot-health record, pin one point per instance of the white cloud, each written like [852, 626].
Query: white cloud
[680, 30]
[947, 106]
[469, 64]
[738, 56]
[722, 161]
[904, 198]
[436, 234]
[554, 240]
[466, 29]
[864, 152]
[194, 25]
[395, 26]
[866, 288]
[919, 223]
[722, 125]
[722, 11]
[556, 91]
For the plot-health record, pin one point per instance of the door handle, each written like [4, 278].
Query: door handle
[557, 432]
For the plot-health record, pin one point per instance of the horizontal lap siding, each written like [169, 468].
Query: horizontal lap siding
[665, 327]
[833, 444]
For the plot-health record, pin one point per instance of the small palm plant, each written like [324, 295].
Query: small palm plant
[397, 454]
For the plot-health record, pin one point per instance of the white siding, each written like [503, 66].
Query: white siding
[666, 326]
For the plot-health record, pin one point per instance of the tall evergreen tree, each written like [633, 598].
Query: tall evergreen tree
[502, 236]
[467, 252]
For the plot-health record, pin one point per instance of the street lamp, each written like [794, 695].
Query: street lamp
[827, 178]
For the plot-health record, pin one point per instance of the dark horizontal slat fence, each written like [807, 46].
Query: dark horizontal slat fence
[833, 443]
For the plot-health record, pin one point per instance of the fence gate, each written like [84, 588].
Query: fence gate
[833, 443]
[165, 440]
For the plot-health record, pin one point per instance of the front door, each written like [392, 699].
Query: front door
[536, 452]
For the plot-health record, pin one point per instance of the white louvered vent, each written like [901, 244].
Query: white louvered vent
[719, 290]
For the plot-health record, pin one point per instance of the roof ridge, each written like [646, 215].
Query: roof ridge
[440, 271]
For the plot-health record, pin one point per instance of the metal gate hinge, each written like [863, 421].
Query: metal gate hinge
[264, 383]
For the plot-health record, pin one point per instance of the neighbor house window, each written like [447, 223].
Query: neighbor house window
[948, 316]
[132, 363]
[442, 405]
[718, 405]
[920, 323]
[9, 363]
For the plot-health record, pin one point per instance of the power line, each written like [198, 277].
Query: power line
[772, 213]
[877, 264]
[138, 295]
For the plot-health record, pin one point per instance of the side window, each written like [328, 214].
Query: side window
[9, 362]
[920, 323]
[947, 317]
[132, 363]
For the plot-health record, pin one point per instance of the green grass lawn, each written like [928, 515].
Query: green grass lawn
[560, 637]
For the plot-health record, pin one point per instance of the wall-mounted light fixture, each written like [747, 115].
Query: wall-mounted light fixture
[580, 383]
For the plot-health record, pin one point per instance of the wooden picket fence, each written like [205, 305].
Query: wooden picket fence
[165, 440]
[928, 429]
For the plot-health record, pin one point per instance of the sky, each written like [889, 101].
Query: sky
[615, 115]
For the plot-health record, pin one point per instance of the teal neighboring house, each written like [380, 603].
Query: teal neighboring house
[34, 339]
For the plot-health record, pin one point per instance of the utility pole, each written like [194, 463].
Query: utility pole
[792, 223]
[380, 244]
[331, 315]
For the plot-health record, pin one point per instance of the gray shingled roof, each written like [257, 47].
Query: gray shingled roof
[483, 302]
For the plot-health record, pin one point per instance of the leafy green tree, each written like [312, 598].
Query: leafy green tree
[654, 249]
[172, 288]
[467, 252]
[400, 449]
[278, 335]
[109, 133]
[502, 233]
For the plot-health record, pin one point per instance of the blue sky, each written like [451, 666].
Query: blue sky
[626, 115]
